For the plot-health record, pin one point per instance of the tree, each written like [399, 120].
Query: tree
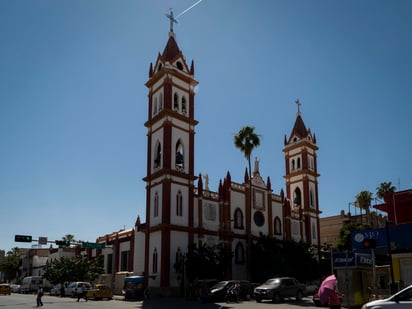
[10, 264]
[69, 238]
[363, 201]
[206, 262]
[279, 258]
[384, 188]
[246, 140]
[78, 268]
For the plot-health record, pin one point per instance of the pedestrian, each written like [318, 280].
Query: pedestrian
[82, 293]
[39, 296]
[334, 300]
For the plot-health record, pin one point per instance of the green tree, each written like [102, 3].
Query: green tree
[363, 201]
[283, 258]
[246, 140]
[69, 238]
[207, 262]
[384, 188]
[10, 264]
[78, 268]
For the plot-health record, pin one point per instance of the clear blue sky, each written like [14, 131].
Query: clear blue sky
[73, 101]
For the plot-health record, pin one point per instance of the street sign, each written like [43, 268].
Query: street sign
[42, 240]
[93, 245]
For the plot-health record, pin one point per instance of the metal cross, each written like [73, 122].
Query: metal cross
[298, 104]
[172, 19]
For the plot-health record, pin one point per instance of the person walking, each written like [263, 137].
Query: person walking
[334, 300]
[39, 296]
[82, 293]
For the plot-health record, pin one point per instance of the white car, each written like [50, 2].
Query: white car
[402, 299]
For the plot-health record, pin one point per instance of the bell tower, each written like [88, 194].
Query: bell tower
[170, 162]
[302, 203]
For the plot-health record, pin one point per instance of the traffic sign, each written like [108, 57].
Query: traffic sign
[93, 245]
[42, 240]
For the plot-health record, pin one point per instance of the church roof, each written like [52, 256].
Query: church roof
[299, 129]
[171, 50]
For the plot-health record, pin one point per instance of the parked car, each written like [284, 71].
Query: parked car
[218, 291]
[99, 291]
[15, 288]
[74, 287]
[402, 299]
[5, 288]
[56, 290]
[277, 289]
[312, 287]
[32, 283]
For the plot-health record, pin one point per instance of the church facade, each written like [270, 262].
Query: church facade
[182, 210]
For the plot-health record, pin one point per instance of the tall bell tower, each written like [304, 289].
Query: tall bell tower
[302, 203]
[170, 162]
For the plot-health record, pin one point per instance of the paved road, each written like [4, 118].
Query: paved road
[29, 301]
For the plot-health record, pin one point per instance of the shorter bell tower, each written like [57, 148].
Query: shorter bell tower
[302, 202]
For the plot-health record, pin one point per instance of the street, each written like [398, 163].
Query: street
[29, 301]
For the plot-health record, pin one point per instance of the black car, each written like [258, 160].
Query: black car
[217, 293]
[277, 289]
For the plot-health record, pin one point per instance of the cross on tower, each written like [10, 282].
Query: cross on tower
[298, 104]
[172, 19]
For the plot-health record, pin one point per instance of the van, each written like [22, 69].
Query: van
[31, 284]
[75, 287]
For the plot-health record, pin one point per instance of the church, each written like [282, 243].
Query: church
[182, 210]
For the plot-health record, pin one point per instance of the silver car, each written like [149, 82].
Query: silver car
[402, 299]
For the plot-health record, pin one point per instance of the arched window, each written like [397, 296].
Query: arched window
[239, 253]
[154, 261]
[156, 205]
[314, 234]
[184, 105]
[179, 204]
[297, 197]
[298, 164]
[175, 102]
[293, 164]
[179, 260]
[238, 219]
[179, 155]
[312, 199]
[160, 102]
[155, 107]
[278, 226]
[158, 155]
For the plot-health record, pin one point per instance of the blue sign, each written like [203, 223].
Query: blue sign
[358, 237]
[351, 259]
[399, 237]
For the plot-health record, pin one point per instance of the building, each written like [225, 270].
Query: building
[398, 206]
[182, 210]
[331, 226]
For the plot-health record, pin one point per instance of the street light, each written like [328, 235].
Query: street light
[393, 286]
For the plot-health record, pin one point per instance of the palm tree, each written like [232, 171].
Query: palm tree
[363, 201]
[384, 188]
[69, 238]
[247, 140]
